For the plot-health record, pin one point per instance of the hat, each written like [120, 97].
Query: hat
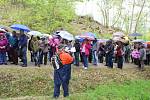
[61, 46]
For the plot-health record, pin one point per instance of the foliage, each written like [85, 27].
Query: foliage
[42, 15]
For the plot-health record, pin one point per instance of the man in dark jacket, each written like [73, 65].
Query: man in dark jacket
[23, 47]
[76, 54]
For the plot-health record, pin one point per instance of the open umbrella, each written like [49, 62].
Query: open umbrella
[102, 40]
[2, 30]
[118, 34]
[135, 34]
[46, 35]
[20, 27]
[66, 35]
[88, 35]
[35, 33]
[138, 41]
[5, 28]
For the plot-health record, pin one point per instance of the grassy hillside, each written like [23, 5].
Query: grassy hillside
[38, 83]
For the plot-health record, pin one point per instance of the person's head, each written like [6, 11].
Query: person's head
[14, 33]
[21, 32]
[85, 41]
[60, 48]
[142, 46]
[94, 41]
[2, 36]
[76, 41]
[101, 44]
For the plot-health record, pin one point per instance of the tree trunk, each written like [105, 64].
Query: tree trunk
[130, 28]
[119, 15]
[137, 21]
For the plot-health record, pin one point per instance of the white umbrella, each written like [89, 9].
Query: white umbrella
[118, 34]
[115, 39]
[35, 33]
[66, 35]
[138, 41]
[46, 35]
[2, 30]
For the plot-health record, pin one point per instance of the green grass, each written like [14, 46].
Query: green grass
[129, 90]
[33, 83]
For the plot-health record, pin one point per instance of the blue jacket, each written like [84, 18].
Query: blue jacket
[23, 41]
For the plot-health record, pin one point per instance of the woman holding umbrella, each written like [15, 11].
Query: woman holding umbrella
[85, 51]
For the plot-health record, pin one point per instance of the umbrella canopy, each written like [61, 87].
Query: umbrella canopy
[88, 35]
[2, 30]
[47, 35]
[115, 39]
[20, 27]
[102, 40]
[138, 41]
[35, 33]
[5, 28]
[118, 34]
[135, 34]
[66, 35]
[79, 38]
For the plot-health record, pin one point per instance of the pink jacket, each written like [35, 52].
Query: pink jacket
[87, 49]
[3, 44]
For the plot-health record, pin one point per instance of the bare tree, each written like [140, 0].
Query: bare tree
[138, 18]
[130, 28]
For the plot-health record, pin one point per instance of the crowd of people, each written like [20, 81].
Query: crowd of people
[62, 53]
[14, 46]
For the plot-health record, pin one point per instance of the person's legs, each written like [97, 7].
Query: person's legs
[95, 59]
[110, 61]
[4, 58]
[107, 59]
[56, 90]
[65, 88]
[85, 60]
[14, 56]
[76, 54]
[1, 58]
[120, 62]
[32, 56]
[45, 58]
[142, 64]
[24, 51]
[35, 57]
[41, 56]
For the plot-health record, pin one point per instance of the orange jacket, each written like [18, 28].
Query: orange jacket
[65, 58]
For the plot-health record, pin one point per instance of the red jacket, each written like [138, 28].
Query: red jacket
[87, 48]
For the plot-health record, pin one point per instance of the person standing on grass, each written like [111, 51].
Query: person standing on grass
[14, 49]
[62, 74]
[34, 47]
[29, 48]
[142, 57]
[94, 52]
[77, 53]
[101, 52]
[119, 54]
[3, 44]
[109, 54]
[85, 51]
[23, 40]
